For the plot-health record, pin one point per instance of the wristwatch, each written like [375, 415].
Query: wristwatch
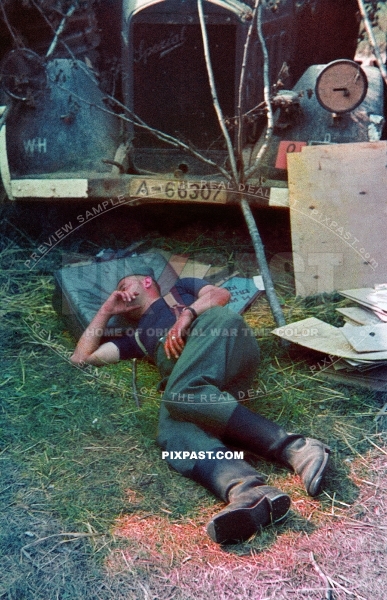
[192, 311]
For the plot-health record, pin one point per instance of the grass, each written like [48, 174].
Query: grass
[88, 456]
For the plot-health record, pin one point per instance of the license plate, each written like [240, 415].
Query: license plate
[178, 191]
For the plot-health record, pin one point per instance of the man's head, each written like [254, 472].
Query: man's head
[136, 267]
[145, 290]
[139, 283]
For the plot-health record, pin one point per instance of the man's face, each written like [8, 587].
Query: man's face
[135, 286]
[138, 292]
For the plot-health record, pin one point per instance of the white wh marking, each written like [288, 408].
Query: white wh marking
[38, 145]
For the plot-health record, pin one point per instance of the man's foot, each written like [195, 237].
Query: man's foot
[309, 459]
[250, 508]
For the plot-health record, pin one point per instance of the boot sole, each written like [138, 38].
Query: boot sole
[240, 524]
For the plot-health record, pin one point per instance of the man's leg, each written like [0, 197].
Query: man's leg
[220, 355]
[306, 456]
[216, 361]
[202, 457]
[218, 364]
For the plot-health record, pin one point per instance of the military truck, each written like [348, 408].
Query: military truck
[111, 100]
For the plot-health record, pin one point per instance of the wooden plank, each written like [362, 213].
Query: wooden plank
[359, 316]
[366, 338]
[337, 197]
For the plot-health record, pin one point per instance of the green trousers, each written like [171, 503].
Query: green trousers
[206, 383]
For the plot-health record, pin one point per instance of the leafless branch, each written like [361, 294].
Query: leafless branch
[14, 35]
[372, 39]
[264, 270]
[60, 29]
[242, 85]
[215, 100]
[247, 213]
[266, 93]
[246, 210]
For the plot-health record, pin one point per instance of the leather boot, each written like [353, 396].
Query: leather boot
[251, 503]
[307, 457]
[251, 506]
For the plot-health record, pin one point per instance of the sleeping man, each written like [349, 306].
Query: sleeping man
[207, 357]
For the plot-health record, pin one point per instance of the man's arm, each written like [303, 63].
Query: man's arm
[208, 297]
[89, 349]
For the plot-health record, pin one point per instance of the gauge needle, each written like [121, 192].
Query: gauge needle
[342, 89]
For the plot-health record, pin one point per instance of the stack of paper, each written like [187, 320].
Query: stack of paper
[352, 346]
[355, 353]
[374, 299]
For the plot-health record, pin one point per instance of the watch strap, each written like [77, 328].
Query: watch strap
[192, 311]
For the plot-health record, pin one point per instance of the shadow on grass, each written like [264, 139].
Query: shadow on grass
[266, 538]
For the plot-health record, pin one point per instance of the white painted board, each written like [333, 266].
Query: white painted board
[338, 210]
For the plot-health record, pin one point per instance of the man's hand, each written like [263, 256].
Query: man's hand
[208, 297]
[120, 302]
[175, 339]
[89, 349]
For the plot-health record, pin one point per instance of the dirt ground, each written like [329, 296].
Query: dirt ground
[344, 558]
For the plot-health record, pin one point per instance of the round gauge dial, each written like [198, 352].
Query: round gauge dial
[341, 86]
